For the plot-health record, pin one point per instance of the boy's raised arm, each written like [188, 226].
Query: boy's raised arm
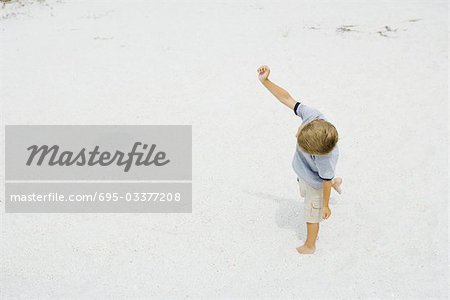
[280, 93]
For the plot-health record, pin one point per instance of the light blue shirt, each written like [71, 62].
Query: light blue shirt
[314, 169]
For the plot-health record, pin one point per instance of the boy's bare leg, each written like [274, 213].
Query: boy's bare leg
[336, 184]
[310, 245]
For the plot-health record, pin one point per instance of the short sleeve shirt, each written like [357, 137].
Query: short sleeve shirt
[314, 169]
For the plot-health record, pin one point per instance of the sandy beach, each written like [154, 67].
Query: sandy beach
[378, 72]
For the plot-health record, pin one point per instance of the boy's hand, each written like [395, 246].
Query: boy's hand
[263, 73]
[326, 212]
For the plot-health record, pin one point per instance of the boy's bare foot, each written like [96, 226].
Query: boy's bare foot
[336, 184]
[306, 250]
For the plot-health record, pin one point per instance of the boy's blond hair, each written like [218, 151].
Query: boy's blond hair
[318, 137]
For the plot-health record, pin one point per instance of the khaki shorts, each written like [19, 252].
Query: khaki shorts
[313, 201]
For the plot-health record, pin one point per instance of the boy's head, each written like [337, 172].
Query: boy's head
[317, 137]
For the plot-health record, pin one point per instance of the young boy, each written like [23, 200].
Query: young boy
[314, 160]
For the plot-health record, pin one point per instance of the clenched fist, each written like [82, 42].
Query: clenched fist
[326, 213]
[263, 73]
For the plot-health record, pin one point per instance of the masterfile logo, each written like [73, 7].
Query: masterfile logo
[101, 168]
[100, 152]
[53, 156]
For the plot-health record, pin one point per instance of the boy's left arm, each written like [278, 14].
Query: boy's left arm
[326, 199]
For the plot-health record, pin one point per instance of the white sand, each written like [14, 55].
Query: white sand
[194, 62]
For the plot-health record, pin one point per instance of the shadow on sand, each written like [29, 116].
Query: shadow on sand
[289, 214]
